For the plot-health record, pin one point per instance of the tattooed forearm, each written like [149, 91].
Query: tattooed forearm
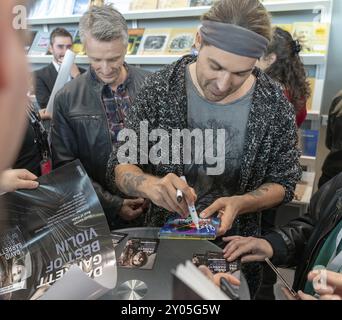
[262, 190]
[266, 196]
[130, 184]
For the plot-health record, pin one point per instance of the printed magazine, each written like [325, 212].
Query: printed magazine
[51, 228]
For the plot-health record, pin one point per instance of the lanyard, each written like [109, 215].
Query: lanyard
[40, 133]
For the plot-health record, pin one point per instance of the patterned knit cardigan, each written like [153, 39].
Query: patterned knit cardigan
[270, 150]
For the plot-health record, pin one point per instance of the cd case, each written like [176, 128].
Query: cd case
[215, 262]
[178, 228]
[139, 253]
[117, 237]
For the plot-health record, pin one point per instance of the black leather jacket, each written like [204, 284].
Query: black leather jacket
[299, 242]
[80, 131]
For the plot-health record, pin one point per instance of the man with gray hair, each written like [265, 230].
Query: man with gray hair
[90, 111]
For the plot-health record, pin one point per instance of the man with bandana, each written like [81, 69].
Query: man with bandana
[220, 89]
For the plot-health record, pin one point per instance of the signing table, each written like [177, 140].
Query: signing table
[156, 284]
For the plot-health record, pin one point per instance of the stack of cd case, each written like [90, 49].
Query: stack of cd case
[178, 228]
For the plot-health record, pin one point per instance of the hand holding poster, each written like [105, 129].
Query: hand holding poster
[54, 227]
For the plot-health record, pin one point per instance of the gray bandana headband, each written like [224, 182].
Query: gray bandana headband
[234, 39]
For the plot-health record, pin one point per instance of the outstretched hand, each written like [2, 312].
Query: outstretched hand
[227, 209]
[248, 248]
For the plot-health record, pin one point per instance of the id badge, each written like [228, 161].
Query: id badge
[45, 166]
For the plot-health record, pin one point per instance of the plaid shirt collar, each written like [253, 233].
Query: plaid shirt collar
[121, 88]
[116, 103]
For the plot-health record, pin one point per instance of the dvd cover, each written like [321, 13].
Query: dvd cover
[139, 253]
[177, 228]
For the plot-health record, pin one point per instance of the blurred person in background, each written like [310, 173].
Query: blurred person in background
[283, 64]
[14, 80]
[45, 78]
[13, 85]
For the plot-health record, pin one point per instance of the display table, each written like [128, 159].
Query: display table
[170, 253]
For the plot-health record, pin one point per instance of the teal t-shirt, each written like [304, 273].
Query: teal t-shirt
[328, 252]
